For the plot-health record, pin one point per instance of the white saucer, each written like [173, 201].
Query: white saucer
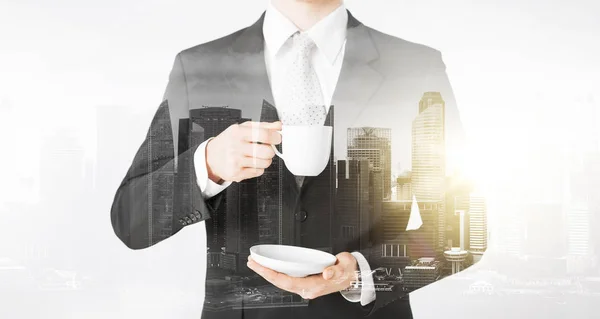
[292, 260]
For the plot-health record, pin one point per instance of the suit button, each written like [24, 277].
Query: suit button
[301, 216]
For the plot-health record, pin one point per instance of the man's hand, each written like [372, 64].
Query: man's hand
[234, 154]
[333, 279]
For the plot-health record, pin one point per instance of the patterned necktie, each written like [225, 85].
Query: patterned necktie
[303, 102]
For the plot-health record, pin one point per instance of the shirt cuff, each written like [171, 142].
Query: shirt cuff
[207, 186]
[366, 295]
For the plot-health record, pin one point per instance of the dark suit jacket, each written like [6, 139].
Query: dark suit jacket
[383, 78]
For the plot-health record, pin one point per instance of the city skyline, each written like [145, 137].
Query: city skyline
[360, 199]
[520, 250]
[529, 83]
[523, 242]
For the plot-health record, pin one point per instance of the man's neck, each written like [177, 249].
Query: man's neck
[306, 13]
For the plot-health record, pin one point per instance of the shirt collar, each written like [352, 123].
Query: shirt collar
[329, 34]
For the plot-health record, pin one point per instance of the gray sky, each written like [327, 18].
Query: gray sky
[61, 59]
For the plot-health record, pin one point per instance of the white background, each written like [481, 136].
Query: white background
[525, 74]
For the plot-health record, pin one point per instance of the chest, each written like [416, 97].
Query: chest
[281, 67]
[361, 94]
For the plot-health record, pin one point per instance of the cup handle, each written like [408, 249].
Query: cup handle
[275, 148]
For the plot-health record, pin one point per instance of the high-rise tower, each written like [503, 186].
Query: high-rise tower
[213, 121]
[478, 238]
[352, 206]
[428, 148]
[374, 144]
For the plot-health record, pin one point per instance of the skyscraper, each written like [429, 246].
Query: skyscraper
[62, 167]
[467, 223]
[391, 233]
[441, 226]
[457, 191]
[158, 150]
[315, 231]
[582, 214]
[352, 206]
[375, 198]
[270, 207]
[213, 121]
[421, 273]
[374, 144]
[579, 243]
[428, 148]
[478, 237]
[241, 222]
[404, 186]
[190, 134]
[62, 184]
[113, 152]
[545, 229]
[593, 173]
[512, 232]
[399, 246]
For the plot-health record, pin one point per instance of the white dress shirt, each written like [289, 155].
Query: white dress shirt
[329, 35]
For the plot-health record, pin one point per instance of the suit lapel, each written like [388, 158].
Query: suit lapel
[357, 83]
[246, 74]
[246, 71]
[358, 79]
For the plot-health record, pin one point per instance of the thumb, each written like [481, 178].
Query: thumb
[273, 126]
[328, 273]
[332, 273]
[265, 125]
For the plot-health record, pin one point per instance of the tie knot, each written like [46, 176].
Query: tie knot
[302, 42]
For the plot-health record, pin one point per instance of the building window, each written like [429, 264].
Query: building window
[264, 232]
[393, 250]
[348, 232]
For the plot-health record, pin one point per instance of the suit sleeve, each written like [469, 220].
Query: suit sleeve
[436, 80]
[159, 194]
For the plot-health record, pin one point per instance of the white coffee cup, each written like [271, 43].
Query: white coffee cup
[306, 149]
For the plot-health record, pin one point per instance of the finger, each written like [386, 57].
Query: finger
[329, 273]
[347, 266]
[315, 286]
[248, 172]
[342, 270]
[308, 287]
[277, 125]
[341, 274]
[335, 274]
[258, 133]
[254, 162]
[268, 125]
[278, 279]
[258, 150]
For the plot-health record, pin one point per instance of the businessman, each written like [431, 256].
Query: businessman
[207, 158]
